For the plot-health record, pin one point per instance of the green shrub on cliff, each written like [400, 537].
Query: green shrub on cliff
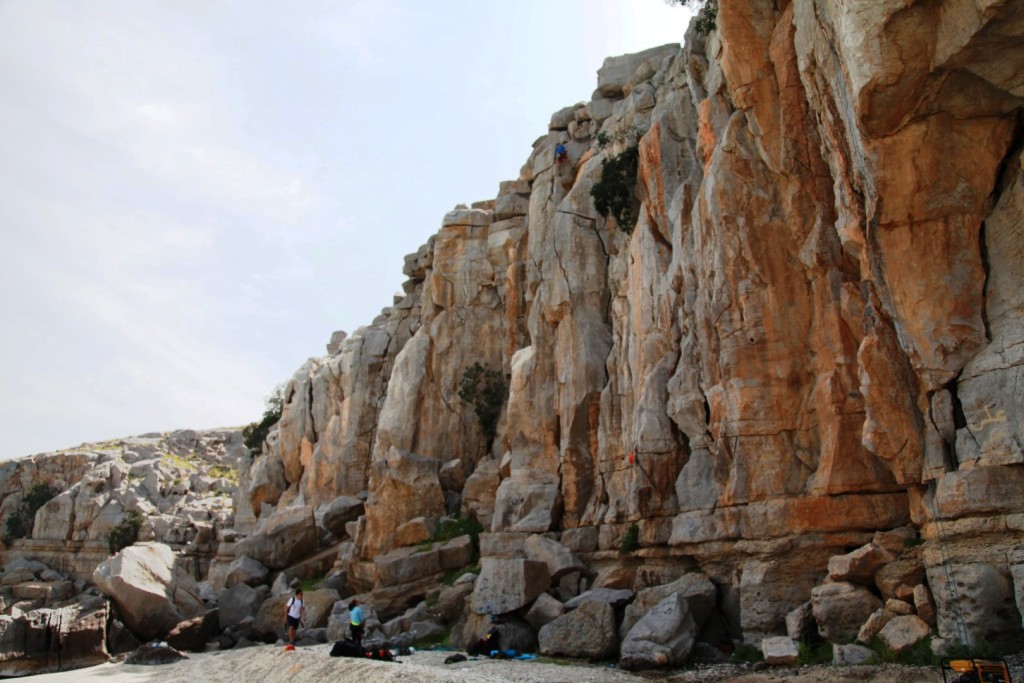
[125, 533]
[20, 522]
[707, 12]
[615, 193]
[485, 390]
[255, 433]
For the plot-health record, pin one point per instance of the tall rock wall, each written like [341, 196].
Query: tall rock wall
[812, 332]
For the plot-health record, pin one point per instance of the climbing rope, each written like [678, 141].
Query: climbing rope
[954, 596]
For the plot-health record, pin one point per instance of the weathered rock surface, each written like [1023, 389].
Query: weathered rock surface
[50, 640]
[152, 591]
[841, 609]
[586, 632]
[284, 538]
[181, 483]
[663, 637]
[507, 585]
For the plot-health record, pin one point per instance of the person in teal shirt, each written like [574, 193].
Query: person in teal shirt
[356, 622]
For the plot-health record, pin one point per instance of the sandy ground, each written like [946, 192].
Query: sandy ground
[272, 664]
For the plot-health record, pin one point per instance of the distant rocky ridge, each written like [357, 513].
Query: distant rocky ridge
[181, 484]
[783, 406]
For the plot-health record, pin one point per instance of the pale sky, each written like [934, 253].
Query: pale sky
[195, 193]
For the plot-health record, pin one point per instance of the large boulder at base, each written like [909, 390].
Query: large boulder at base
[986, 603]
[245, 570]
[239, 603]
[663, 637]
[193, 634]
[516, 634]
[841, 609]
[544, 610]
[152, 592]
[50, 640]
[269, 623]
[288, 536]
[698, 591]
[451, 604]
[586, 632]
[903, 632]
[506, 585]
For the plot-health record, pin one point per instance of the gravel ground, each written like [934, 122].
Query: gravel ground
[271, 664]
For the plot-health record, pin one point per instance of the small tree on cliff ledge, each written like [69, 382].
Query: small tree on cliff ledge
[707, 12]
[615, 193]
[485, 390]
[255, 433]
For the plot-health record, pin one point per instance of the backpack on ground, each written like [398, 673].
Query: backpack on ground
[346, 648]
[380, 654]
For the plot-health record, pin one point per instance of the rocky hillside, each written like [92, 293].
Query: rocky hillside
[179, 487]
[771, 398]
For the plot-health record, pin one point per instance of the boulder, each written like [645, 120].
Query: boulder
[120, 640]
[478, 496]
[779, 651]
[238, 603]
[193, 635]
[505, 585]
[544, 610]
[663, 637]
[515, 634]
[288, 536]
[559, 559]
[904, 572]
[924, 606]
[50, 640]
[616, 72]
[860, 565]
[152, 592]
[451, 603]
[526, 501]
[698, 591]
[898, 607]
[14, 576]
[841, 609]
[245, 570]
[903, 632]
[800, 624]
[878, 619]
[851, 655]
[335, 515]
[586, 632]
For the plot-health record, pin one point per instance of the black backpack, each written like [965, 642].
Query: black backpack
[346, 648]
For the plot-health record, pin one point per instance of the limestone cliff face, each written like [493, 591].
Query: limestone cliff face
[813, 332]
